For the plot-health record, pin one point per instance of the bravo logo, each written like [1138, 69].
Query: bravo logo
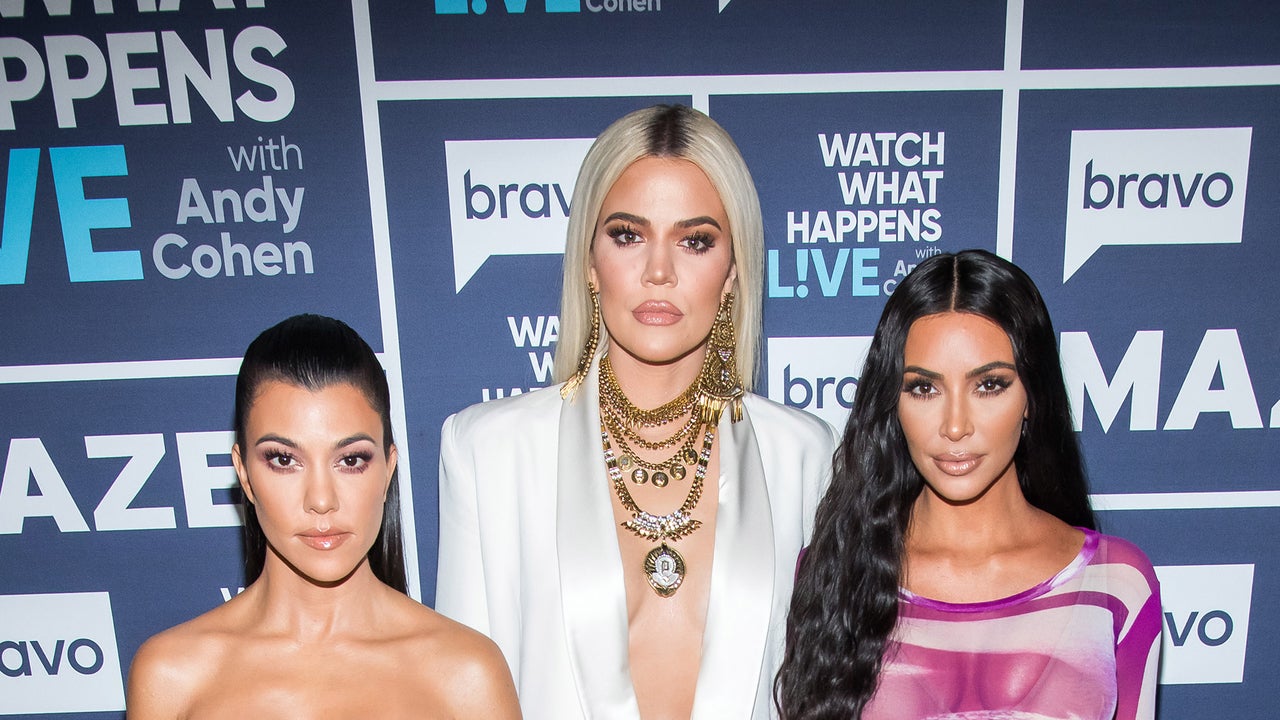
[1154, 187]
[1206, 622]
[508, 197]
[817, 374]
[58, 654]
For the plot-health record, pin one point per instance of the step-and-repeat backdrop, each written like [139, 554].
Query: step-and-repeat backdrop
[177, 176]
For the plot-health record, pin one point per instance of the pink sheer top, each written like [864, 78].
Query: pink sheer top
[1084, 645]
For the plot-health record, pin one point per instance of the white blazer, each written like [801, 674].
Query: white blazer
[529, 553]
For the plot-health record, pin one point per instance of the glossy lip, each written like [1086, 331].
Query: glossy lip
[657, 312]
[326, 540]
[957, 464]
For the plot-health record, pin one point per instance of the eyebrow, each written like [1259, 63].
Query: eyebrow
[638, 220]
[980, 370]
[272, 437]
[634, 219]
[352, 439]
[700, 220]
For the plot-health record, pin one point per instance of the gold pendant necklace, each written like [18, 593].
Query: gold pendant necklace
[661, 472]
[664, 568]
[612, 396]
[623, 420]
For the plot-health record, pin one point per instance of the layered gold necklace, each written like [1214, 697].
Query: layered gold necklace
[624, 420]
[620, 422]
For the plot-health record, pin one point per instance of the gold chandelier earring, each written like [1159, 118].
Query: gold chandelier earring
[571, 385]
[719, 382]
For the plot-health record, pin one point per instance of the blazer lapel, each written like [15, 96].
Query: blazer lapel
[738, 611]
[593, 596]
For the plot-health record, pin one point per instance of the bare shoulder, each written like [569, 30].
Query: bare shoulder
[466, 671]
[173, 667]
[477, 672]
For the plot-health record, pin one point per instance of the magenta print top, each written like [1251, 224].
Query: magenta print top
[1084, 645]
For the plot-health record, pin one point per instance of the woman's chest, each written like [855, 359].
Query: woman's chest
[1058, 662]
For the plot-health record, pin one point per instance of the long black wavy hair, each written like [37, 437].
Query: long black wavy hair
[845, 604]
[315, 352]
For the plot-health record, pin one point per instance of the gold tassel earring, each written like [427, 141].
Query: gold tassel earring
[570, 387]
[719, 382]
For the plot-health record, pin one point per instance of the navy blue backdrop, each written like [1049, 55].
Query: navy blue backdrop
[178, 176]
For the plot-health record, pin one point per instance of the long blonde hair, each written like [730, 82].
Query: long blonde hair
[673, 131]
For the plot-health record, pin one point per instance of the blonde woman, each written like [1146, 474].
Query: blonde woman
[629, 537]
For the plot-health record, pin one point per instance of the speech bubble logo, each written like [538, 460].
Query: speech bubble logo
[817, 374]
[1206, 622]
[1154, 187]
[508, 197]
[59, 654]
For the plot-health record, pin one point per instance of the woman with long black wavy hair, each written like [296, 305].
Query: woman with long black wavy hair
[956, 570]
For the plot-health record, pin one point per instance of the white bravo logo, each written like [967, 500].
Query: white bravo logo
[58, 654]
[508, 197]
[1206, 622]
[1154, 187]
[817, 374]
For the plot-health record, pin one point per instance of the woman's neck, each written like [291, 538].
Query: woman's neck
[999, 518]
[295, 606]
[648, 385]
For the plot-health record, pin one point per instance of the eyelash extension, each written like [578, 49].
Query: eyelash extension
[912, 385]
[271, 456]
[617, 231]
[1001, 384]
[363, 455]
[699, 242]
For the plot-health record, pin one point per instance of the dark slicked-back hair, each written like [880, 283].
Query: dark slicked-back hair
[845, 604]
[315, 352]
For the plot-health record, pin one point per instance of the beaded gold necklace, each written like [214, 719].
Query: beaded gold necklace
[664, 567]
[623, 420]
